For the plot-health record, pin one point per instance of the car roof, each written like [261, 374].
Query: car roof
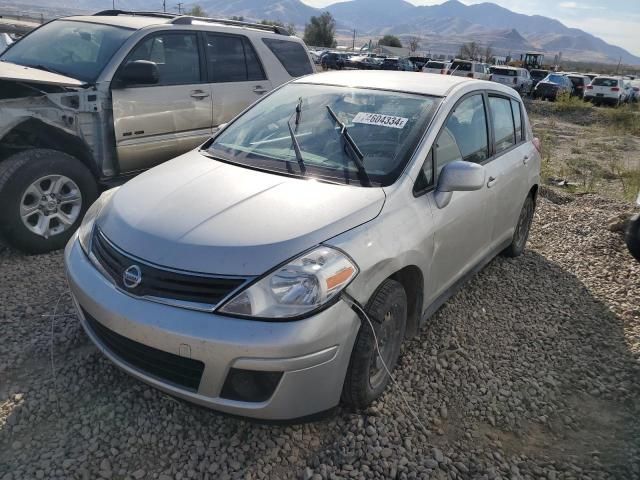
[409, 82]
[139, 20]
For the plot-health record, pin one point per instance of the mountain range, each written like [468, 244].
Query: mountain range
[441, 28]
[505, 31]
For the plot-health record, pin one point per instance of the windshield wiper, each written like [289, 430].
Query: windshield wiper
[355, 152]
[296, 148]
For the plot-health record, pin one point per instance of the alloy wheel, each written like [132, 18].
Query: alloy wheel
[50, 205]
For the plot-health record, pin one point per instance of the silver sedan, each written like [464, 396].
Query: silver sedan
[278, 268]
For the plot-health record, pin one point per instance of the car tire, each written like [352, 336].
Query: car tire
[45, 191]
[521, 233]
[632, 237]
[366, 377]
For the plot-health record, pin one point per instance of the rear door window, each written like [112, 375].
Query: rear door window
[502, 120]
[291, 55]
[231, 58]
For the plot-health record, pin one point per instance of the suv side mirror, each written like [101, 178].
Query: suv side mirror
[458, 176]
[140, 72]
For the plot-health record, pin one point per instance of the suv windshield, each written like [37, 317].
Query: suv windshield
[385, 127]
[538, 74]
[76, 49]
[557, 79]
[461, 66]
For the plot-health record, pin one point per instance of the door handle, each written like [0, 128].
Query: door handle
[526, 159]
[492, 181]
[259, 89]
[199, 94]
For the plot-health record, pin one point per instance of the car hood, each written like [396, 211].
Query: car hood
[198, 214]
[19, 73]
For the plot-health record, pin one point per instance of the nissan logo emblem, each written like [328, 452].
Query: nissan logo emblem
[132, 276]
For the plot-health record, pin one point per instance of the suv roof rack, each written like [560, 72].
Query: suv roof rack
[189, 19]
[114, 13]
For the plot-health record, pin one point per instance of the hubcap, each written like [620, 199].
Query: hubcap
[50, 205]
[387, 332]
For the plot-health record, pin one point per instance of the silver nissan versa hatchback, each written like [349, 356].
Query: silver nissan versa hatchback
[277, 269]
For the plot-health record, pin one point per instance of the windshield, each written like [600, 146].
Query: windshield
[461, 66]
[76, 49]
[539, 73]
[438, 65]
[557, 79]
[385, 126]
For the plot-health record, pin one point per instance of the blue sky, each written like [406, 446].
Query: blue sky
[618, 24]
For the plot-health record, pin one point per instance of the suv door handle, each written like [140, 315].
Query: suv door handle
[199, 94]
[526, 159]
[492, 181]
[259, 89]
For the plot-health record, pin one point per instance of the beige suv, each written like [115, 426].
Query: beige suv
[89, 101]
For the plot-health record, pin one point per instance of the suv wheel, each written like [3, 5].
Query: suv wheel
[44, 194]
[633, 237]
[367, 377]
[521, 233]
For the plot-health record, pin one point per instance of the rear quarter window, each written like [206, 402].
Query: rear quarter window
[291, 55]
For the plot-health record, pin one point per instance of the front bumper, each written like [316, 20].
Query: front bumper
[312, 354]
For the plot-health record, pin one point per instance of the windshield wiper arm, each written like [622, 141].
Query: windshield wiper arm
[47, 69]
[356, 154]
[296, 148]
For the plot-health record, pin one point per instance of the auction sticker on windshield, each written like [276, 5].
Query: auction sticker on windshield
[380, 120]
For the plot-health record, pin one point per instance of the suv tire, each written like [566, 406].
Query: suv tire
[633, 237]
[43, 190]
[521, 233]
[387, 311]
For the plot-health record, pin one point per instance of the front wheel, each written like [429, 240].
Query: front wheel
[367, 376]
[633, 237]
[521, 233]
[44, 195]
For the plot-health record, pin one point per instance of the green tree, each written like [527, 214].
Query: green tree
[321, 31]
[390, 41]
[291, 28]
[196, 11]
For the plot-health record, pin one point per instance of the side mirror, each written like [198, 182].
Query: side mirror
[140, 72]
[458, 176]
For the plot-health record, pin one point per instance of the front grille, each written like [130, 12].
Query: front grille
[180, 371]
[161, 283]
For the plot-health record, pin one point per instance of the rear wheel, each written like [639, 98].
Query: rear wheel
[44, 195]
[367, 376]
[521, 233]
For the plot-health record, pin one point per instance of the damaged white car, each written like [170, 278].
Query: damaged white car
[89, 101]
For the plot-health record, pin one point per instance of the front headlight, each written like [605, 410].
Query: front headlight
[86, 227]
[302, 285]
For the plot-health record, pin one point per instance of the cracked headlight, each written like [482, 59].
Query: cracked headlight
[86, 227]
[297, 288]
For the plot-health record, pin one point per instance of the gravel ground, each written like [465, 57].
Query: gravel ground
[531, 371]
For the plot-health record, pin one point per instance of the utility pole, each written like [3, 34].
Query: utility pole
[164, 6]
[180, 4]
[354, 40]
